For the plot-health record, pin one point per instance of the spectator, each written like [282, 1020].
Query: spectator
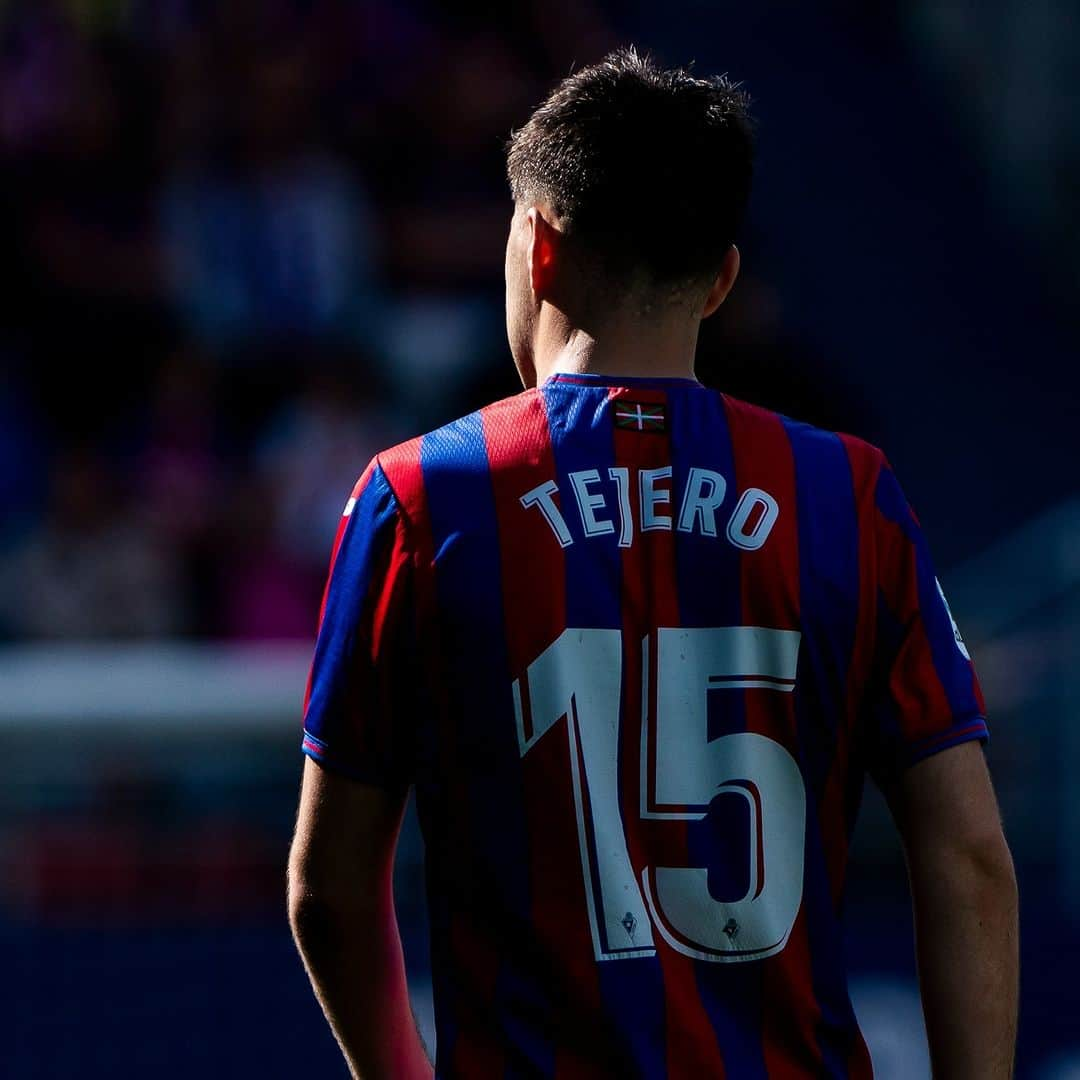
[311, 455]
[92, 568]
[264, 593]
[268, 234]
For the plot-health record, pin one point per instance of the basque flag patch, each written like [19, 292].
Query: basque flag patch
[640, 415]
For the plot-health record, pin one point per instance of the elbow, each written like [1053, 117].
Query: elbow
[332, 921]
[300, 903]
[318, 918]
[1003, 874]
[982, 872]
[991, 863]
[323, 905]
[310, 902]
[311, 924]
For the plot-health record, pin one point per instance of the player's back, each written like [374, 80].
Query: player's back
[654, 636]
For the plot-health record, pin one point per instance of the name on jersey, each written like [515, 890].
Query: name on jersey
[603, 506]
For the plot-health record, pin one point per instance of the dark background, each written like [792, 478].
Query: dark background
[246, 244]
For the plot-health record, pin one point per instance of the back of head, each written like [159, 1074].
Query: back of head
[646, 169]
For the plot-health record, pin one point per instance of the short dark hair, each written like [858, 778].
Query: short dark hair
[626, 140]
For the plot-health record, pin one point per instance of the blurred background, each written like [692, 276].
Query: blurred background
[245, 244]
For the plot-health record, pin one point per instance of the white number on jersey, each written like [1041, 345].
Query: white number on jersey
[579, 677]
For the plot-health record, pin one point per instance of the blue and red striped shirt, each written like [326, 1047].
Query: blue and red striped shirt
[636, 643]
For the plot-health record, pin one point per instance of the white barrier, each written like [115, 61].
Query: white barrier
[155, 686]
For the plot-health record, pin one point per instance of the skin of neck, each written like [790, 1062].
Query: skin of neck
[560, 322]
[624, 344]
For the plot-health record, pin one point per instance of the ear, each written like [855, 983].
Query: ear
[729, 271]
[541, 253]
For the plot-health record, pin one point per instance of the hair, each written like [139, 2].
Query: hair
[647, 168]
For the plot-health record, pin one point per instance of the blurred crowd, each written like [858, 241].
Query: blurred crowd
[246, 244]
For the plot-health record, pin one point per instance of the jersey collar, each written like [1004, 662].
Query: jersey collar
[590, 379]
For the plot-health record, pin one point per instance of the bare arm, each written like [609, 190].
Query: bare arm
[964, 893]
[341, 909]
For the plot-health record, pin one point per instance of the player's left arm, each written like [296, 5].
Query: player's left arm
[358, 737]
[341, 910]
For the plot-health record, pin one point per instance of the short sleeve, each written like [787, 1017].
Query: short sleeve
[358, 713]
[924, 693]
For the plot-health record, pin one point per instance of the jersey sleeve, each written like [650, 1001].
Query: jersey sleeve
[924, 693]
[358, 712]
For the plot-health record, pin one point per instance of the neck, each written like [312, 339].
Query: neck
[637, 348]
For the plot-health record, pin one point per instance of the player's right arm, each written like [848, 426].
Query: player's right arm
[964, 894]
[926, 719]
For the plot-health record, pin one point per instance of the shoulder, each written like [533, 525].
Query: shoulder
[457, 448]
[812, 445]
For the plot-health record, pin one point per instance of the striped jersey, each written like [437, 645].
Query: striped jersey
[636, 644]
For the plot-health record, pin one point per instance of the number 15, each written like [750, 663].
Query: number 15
[579, 677]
